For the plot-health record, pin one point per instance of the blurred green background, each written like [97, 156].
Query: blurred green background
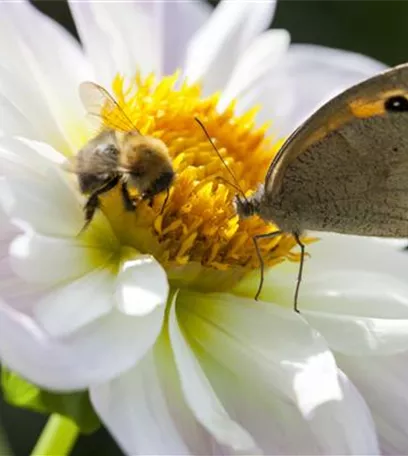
[376, 28]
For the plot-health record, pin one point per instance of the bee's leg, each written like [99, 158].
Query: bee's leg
[165, 200]
[127, 200]
[90, 208]
[160, 184]
[93, 201]
[149, 197]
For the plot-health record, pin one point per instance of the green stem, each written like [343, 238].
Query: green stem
[57, 438]
[4, 446]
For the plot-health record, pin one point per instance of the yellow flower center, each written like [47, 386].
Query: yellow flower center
[197, 237]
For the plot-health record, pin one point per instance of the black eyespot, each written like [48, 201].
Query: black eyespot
[396, 104]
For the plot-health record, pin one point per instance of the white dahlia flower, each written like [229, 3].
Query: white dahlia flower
[152, 311]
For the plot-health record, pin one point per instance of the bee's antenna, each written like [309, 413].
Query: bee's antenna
[236, 185]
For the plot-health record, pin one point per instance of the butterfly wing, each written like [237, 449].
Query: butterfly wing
[346, 169]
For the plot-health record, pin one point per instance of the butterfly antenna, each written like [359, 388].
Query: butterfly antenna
[226, 181]
[236, 185]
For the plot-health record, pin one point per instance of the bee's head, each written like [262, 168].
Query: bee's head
[150, 182]
[146, 164]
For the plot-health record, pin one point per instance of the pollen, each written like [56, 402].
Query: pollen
[196, 234]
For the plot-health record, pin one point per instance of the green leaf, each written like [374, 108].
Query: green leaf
[76, 406]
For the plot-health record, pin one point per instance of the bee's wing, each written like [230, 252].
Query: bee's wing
[100, 104]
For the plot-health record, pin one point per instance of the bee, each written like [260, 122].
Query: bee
[120, 155]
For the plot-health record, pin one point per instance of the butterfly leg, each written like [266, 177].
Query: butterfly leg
[300, 272]
[258, 253]
[127, 200]
[93, 201]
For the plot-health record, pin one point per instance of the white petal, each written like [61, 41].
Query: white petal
[14, 121]
[199, 394]
[274, 422]
[28, 159]
[257, 62]
[44, 197]
[307, 77]
[18, 293]
[395, 243]
[215, 49]
[356, 292]
[25, 113]
[334, 424]
[96, 354]
[344, 275]
[7, 201]
[37, 192]
[180, 20]
[196, 437]
[382, 380]
[135, 410]
[274, 350]
[50, 261]
[358, 313]
[47, 206]
[355, 335]
[257, 333]
[141, 286]
[119, 37]
[351, 286]
[277, 425]
[69, 307]
[145, 411]
[54, 75]
[336, 251]
[6, 229]
[359, 275]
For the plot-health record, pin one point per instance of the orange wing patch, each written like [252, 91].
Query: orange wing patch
[357, 108]
[363, 108]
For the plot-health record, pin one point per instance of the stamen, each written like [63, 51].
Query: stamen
[197, 234]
